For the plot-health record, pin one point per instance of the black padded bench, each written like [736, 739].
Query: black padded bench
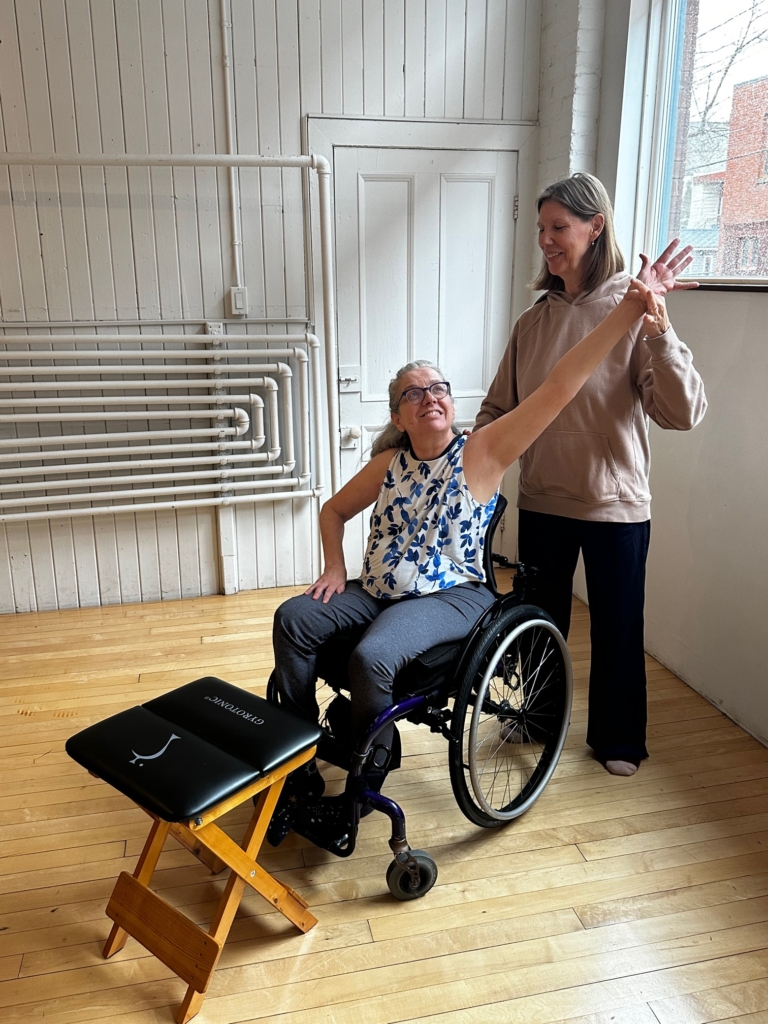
[187, 758]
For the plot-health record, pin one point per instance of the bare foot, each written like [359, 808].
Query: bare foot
[620, 767]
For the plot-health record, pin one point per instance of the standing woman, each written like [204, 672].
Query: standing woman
[584, 481]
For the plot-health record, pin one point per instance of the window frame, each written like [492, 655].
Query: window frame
[655, 36]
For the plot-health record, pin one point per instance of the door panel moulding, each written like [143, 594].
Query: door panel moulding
[321, 134]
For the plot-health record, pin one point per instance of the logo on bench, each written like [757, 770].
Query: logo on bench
[151, 757]
[235, 710]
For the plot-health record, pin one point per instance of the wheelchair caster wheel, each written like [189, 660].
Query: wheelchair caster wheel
[400, 880]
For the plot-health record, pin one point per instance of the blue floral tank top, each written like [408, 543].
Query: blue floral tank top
[427, 531]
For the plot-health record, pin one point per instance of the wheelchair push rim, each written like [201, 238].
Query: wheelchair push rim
[519, 685]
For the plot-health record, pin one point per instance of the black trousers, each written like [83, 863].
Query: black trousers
[614, 559]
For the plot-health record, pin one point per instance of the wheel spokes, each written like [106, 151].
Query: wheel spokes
[520, 693]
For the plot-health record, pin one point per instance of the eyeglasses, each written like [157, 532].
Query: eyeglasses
[415, 395]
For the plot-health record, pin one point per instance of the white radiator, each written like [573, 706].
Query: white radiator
[95, 423]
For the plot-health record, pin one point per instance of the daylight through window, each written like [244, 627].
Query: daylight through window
[717, 178]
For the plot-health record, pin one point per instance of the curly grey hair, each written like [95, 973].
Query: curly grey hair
[391, 437]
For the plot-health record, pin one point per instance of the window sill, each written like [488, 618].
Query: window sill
[759, 284]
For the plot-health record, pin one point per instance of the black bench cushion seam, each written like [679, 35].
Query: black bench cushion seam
[190, 749]
[243, 724]
[159, 765]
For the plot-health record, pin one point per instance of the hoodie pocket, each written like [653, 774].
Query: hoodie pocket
[571, 464]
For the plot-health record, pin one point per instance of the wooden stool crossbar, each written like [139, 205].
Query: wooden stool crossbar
[212, 747]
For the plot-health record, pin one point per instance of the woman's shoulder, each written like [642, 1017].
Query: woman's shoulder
[609, 291]
[383, 458]
[381, 465]
[528, 319]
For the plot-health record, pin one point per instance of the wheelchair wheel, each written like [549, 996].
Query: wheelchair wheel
[510, 716]
[399, 878]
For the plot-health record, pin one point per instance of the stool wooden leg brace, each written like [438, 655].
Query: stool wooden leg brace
[190, 952]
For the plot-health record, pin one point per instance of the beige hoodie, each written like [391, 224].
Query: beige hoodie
[593, 461]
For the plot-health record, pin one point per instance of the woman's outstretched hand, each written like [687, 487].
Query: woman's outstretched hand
[661, 276]
[332, 581]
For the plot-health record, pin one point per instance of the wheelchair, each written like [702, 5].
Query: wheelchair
[502, 699]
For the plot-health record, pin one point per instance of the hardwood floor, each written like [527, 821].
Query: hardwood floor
[629, 901]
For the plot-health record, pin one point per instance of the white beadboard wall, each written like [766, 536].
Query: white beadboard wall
[106, 245]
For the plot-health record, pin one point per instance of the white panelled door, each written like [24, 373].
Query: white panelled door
[424, 248]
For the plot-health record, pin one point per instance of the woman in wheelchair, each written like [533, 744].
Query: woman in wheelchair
[423, 580]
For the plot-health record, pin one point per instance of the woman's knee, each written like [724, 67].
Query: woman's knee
[285, 613]
[371, 672]
[291, 619]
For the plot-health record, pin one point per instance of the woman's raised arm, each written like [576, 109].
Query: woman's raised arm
[494, 447]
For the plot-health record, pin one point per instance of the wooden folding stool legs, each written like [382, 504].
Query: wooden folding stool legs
[210, 747]
[190, 952]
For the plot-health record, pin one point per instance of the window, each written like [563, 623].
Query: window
[715, 179]
[706, 197]
[748, 250]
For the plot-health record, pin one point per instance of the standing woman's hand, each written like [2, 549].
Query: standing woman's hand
[661, 276]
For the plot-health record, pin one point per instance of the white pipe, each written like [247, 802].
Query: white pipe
[206, 369]
[258, 437]
[304, 424]
[47, 400]
[13, 325]
[255, 400]
[242, 420]
[274, 425]
[159, 160]
[137, 353]
[137, 449]
[287, 374]
[223, 473]
[234, 183]
[156, 506]
[257, 403]
[156, 414]
[125, 385]
[314, 343]
[314, 161]
[174, 339]
[126, 435]
[323, 169]
[145, 492]
[131, 464]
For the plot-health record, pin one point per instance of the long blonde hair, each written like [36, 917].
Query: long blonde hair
[585, 196]
[390, 436]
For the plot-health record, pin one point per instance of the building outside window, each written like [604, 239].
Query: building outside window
[717, 172]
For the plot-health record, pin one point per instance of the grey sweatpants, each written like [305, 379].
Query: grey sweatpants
[398, 632]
